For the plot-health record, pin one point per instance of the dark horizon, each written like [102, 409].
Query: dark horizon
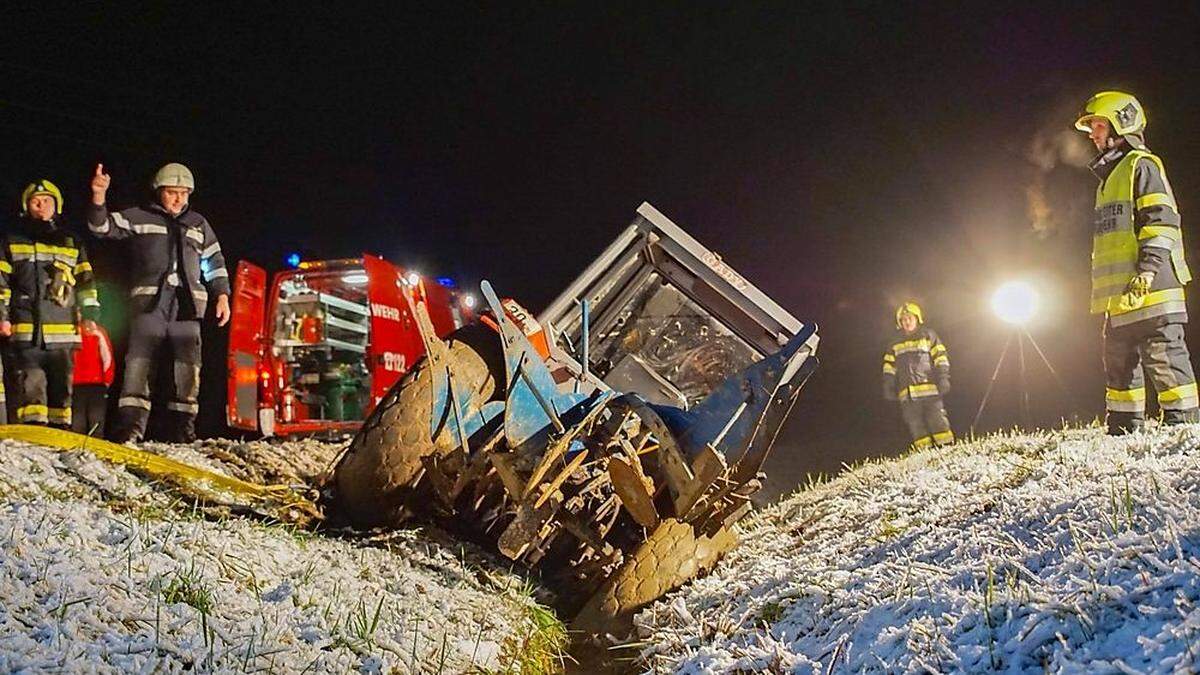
[841, 159]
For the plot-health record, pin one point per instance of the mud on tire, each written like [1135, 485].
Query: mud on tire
[671, 556]
[373, 480]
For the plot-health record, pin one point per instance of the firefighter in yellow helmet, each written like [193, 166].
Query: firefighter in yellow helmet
[916, 372]
[45, 279]
[1138, 268]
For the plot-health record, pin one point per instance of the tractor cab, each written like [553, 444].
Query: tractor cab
[314, 349]
[668, 319]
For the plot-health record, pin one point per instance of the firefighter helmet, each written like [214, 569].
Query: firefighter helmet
[1121, 110]
[175, 175]
[910, 308]
[42, 187]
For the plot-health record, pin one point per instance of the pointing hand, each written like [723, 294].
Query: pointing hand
[100, 183]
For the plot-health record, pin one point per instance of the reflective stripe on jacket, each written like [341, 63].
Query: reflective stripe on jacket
[913, 362]
[1137, 229]
[152, 233]
[45, 276]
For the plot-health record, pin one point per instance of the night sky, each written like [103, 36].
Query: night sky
[843, 159]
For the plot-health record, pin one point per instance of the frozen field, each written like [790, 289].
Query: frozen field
[1066, 552]
[100, 571]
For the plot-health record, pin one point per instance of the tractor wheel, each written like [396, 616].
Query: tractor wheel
[373, 480]
[670, 557]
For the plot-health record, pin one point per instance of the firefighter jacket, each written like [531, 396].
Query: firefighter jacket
[157, 242]
[913, 365]
[45, 277]
[94, 362]
[1137, 229]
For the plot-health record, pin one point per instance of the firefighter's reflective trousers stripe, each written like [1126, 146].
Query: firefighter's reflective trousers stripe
[43, 384]
[1161, 350]
[927, 422]
[156, 337]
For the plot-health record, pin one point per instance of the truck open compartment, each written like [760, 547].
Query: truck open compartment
[321, 332]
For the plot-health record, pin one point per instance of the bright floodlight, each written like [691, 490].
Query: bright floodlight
[1015, 302]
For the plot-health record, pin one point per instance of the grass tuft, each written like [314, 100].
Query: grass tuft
[187, 586]
[543, 648]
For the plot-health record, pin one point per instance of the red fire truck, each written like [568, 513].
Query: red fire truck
[314, 350]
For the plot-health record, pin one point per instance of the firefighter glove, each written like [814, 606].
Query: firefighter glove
[61, 285]
[1140, 284]
[1136, 291]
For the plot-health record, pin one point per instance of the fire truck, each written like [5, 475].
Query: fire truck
[314, 349]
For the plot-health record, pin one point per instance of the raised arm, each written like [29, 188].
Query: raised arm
[101, 223]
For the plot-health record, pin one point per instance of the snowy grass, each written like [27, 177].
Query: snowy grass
[1055, 551]
[103, 572]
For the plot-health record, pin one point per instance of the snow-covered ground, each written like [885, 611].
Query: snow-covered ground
[102, 572]
[1064, 552]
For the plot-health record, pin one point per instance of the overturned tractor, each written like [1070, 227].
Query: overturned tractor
[610, 445]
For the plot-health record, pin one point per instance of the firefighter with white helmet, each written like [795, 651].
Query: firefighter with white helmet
[177, 266]
[45, 279]
[916, 372]
[1138, 268]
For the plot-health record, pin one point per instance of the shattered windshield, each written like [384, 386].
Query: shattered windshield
[665, 346]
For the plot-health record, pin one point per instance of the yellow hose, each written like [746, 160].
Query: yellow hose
[158, 466]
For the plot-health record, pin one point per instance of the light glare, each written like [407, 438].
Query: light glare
[1015, 302]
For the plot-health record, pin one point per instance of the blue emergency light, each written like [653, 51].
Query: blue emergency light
[447, 282]
[292, 260]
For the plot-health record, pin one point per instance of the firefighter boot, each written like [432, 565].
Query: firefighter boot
[1121, 423]
[182, 427]
[1181, 416]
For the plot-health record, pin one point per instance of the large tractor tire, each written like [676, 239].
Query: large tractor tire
[373, 481]
[670, 557]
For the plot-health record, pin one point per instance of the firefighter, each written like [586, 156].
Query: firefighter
[176, 267]
[45, 277]
[916, 372]
[1138, 269]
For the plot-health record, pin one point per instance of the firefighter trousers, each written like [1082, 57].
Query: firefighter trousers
[89, 406]
[157, 337]
[43, 383]
[927, 421]
[1160, 350]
